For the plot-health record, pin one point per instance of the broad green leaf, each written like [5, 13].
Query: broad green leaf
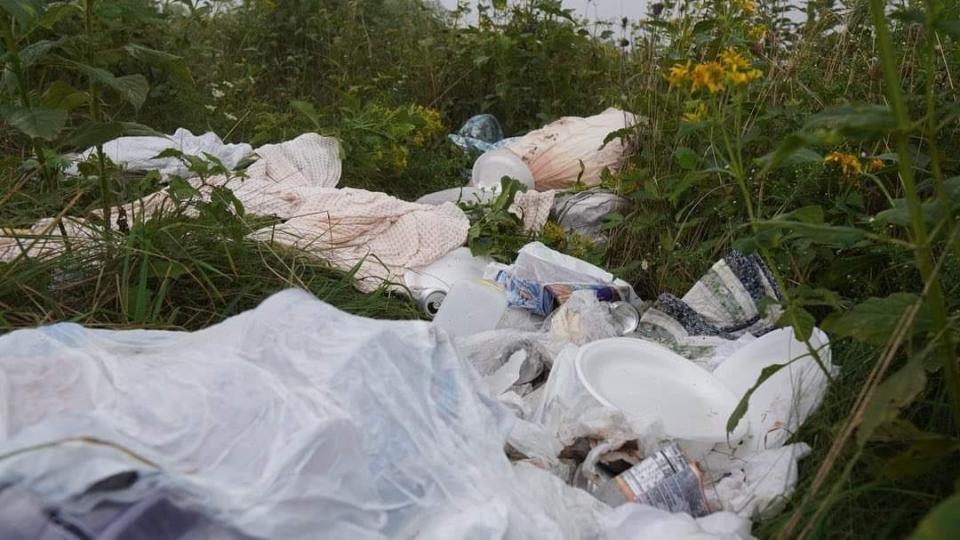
[800, 319]
[901, 430]
[808, 214]
[741, 408]
[940, 523]
[920, 457]
[33, 52]
[900, 215]
[855, 121]
[874, 320]
[308, 110]
[792, 150]
[132, 88]
[805, 295]
[56, 12]
[61, 95]
[170, 63]
[896, 392]
[37, 123]
[23, 11]
[689, 180]
[686, 158]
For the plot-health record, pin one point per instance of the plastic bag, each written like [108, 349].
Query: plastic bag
[283, 421]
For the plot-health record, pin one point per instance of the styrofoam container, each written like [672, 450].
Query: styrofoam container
[780, 405]
[492, 166]
[649, 382]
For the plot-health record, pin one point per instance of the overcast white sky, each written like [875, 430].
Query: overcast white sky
[596, 9]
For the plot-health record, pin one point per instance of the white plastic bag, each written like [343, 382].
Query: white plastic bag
[282, 422]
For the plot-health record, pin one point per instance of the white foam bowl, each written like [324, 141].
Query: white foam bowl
[649, 382]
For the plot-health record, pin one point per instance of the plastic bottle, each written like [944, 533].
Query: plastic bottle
[492, 166]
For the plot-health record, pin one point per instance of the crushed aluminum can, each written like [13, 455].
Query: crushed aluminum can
[429, 301]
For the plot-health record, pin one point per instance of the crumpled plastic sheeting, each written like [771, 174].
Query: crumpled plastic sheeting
[480, 133]
[139, 153]
[283, 421]
[759, 487]
[583, 212]
[571, 149]
[582, 319]
[641, 522]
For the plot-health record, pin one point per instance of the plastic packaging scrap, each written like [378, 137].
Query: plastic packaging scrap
[140, 153]
[377, 235]
[541, 279]
[583, 318]
[584, 212]
[723, 305]
[572, 150]
[480, 133]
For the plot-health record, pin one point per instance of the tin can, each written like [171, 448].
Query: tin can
[665, 480]
[429, 301]
[627, 316]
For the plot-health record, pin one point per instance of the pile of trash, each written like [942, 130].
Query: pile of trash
[544, 399]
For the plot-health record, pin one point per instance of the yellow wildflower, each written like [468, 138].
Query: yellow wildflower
[679, 73]
[757, 32]
[697, 114]
[733, 61]
[876, 165]
[432, 125]
[397, 158]
[553, 234]
[738, 68]
[746, 6]
[849, 164]
[709, 75]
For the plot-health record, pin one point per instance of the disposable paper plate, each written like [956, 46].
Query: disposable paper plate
[650, 382]
[782, 403]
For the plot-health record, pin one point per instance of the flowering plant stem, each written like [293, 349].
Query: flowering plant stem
[923, 252]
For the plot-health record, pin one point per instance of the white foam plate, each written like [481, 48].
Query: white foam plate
[649, 382]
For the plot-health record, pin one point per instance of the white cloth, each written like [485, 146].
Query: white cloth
[378, 235]
[139, 153]
[572, 147]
